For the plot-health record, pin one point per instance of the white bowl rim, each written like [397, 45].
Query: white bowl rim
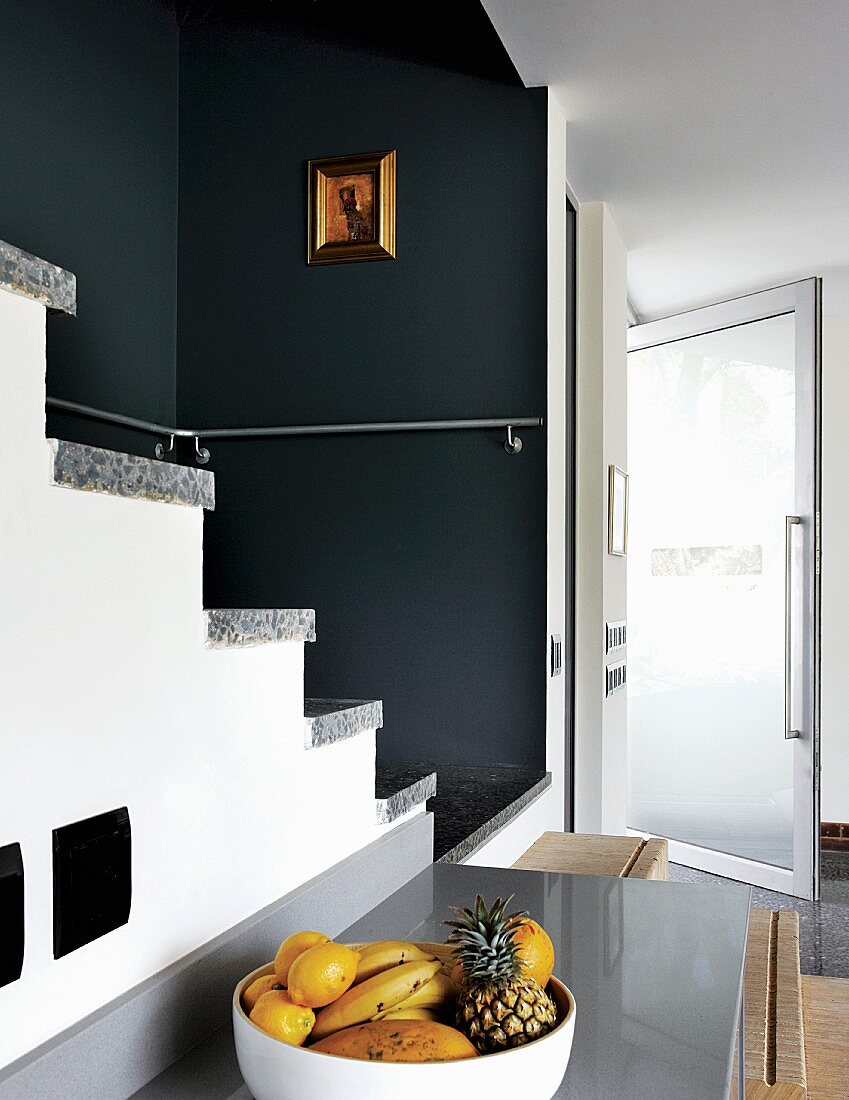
[268, 968]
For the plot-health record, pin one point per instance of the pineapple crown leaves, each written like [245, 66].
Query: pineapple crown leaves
[484, 940]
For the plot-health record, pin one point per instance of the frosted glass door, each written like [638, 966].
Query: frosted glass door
[716, 609]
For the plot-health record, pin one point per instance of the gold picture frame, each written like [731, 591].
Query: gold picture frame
[617, 512]
[351, 208]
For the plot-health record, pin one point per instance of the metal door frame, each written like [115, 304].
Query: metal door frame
[571, 221]
[803, 300]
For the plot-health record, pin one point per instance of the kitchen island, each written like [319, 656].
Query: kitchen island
[656, 970]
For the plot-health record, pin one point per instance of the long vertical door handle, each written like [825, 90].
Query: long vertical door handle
[789, 523]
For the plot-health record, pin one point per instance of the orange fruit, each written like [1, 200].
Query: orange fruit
[535, 950]
[290, 948]
[322, 974]
[275, 1013]
[256, 989]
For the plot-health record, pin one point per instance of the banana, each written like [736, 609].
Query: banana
[439, 993]
[377, 957]
[383, 991]
[410, 1014]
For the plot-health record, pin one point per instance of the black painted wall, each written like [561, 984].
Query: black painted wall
[88, 163]
[424, 555]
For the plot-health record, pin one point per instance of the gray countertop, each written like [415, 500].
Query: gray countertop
[656, 970]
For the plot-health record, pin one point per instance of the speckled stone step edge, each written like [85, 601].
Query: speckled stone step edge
[27, 275]
[327, 721]
[408, 798]
[235, 627]
[466, 847]
[94, 470]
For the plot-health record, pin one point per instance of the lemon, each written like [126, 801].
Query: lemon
[322, 974]
[275, 1013]
[290, 948]
[256, 989]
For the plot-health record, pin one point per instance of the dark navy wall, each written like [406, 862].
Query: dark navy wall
[88, 163]
[424, 555]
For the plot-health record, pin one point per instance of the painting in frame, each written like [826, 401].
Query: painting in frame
[351, 208]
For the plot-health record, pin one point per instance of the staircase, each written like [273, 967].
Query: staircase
[85, 468]
[120, 689]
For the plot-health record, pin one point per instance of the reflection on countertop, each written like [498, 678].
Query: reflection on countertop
[823, 924]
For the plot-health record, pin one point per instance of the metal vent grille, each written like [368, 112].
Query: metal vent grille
[616, 677]
[615, 635]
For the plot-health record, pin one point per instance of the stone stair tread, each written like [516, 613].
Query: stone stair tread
[327, 721]
[30, 276]
[238, 627]
[399, 787]
[96, 470]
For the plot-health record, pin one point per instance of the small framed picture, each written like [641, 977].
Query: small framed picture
[351, 212]
[617, 512]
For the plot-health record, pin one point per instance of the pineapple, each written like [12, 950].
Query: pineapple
[500, 1006]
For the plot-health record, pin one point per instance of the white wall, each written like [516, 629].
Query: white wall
[504, 847]
[111, 699]
[600, 724]
[834, 723]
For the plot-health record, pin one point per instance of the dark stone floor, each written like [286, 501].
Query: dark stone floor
[390, 777]
[823, 925]
[472, 803]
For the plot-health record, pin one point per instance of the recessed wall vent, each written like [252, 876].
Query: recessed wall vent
[615, 679]
[615, 635]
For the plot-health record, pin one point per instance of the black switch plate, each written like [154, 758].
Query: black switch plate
[92, 879]
[11, 913]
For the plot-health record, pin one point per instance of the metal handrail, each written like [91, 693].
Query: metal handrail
[512, 443]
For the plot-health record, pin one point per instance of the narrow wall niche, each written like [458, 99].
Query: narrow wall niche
[11, 913]
[92, 879]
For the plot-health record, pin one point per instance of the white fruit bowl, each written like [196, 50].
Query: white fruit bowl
[276, 1071]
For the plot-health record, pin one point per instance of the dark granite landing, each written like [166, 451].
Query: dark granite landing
[399, 788]
[823, 925]
[473, 803]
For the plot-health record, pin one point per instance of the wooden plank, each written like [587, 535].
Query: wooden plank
[825, 1004]
[758, 1090]
[775, 1036]
[580, 854]
[756, 980]
[652, 862]
[789, 1045]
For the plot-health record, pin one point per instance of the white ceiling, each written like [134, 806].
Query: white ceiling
[717, 130]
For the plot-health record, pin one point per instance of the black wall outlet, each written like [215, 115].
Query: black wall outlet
[92, 881]
[11, 913]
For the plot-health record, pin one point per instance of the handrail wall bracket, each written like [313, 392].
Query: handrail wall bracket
[512, 444]
[162, 451]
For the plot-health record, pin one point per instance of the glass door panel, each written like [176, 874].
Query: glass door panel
[711, 452]
[720, 454]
